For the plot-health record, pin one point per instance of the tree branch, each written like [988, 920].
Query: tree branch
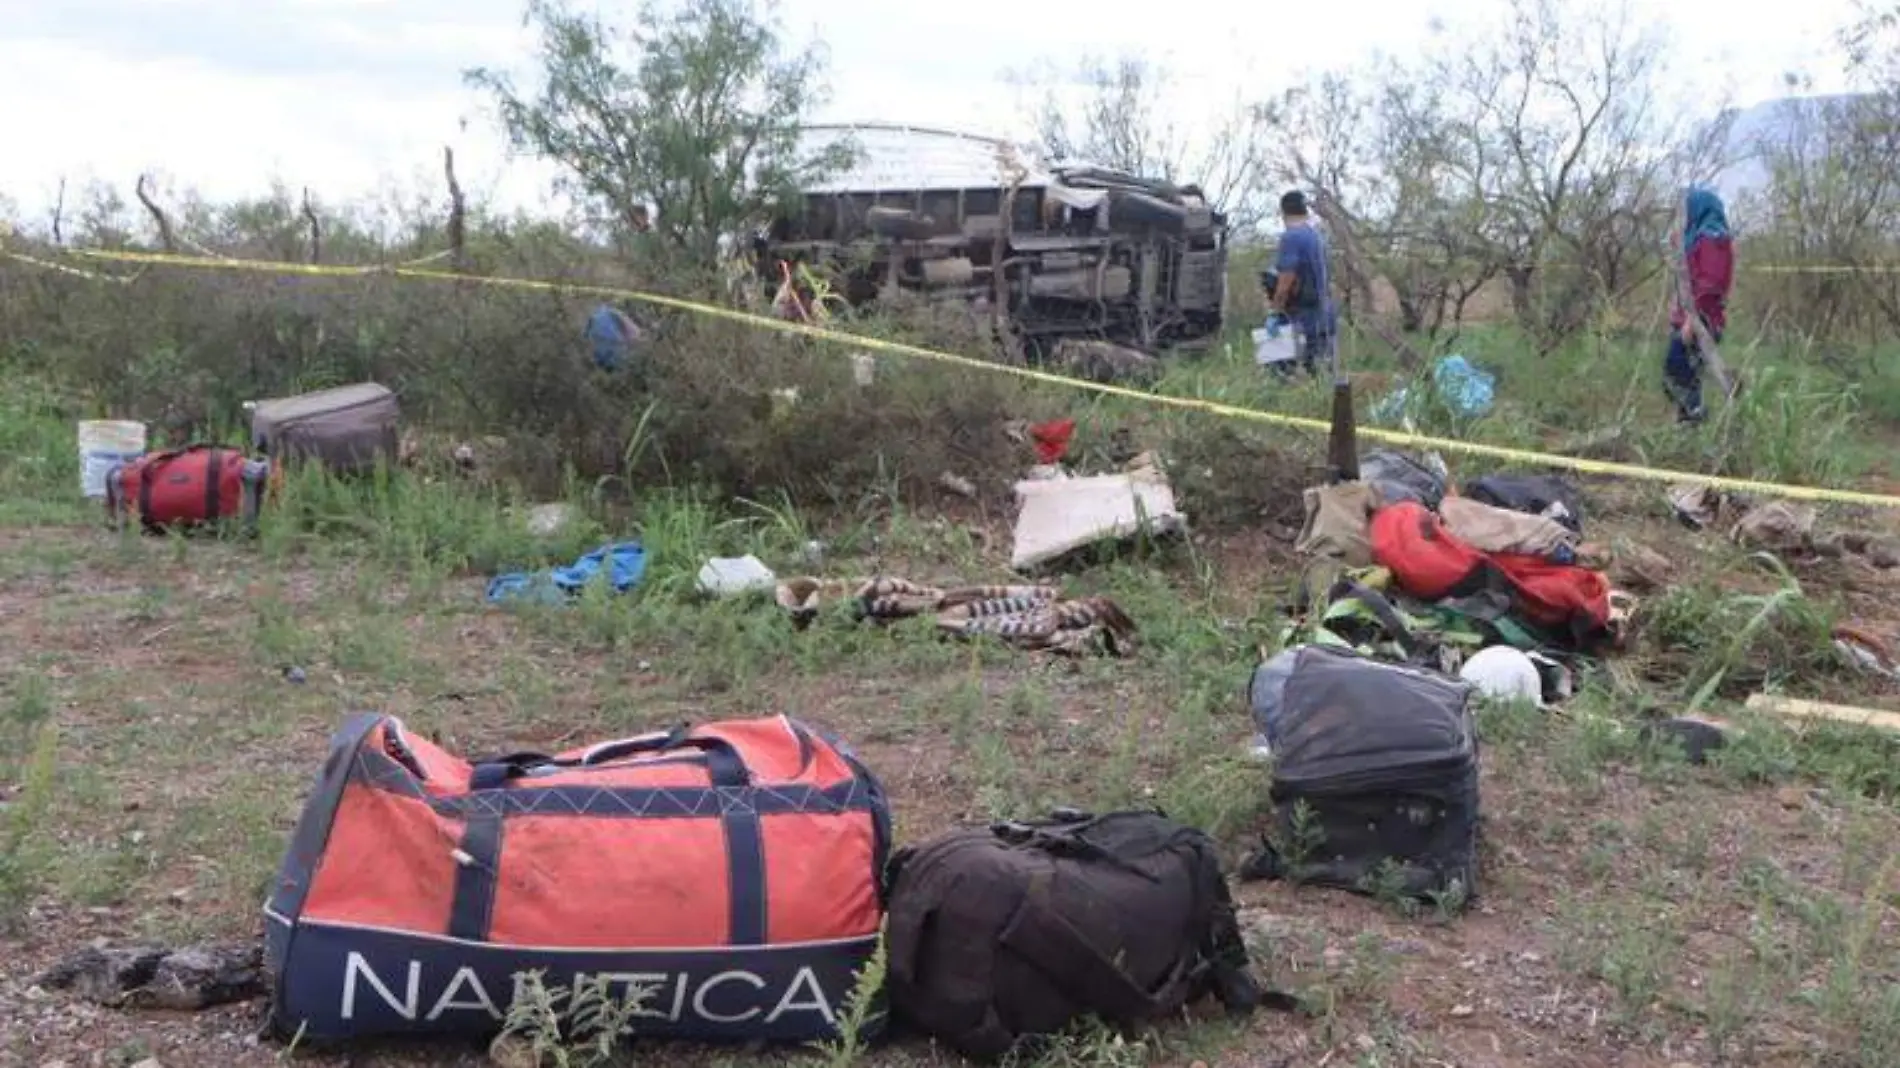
[166, 239]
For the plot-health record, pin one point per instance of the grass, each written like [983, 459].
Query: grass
[156, 741]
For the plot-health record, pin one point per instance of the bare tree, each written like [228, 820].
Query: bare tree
[458, 213]
[316, 229]
[1538, 154]
[59, 213]
[1120, 115]
[166, 239]
[1374, 151]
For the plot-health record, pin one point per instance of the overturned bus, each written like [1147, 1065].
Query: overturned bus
[1071, 252]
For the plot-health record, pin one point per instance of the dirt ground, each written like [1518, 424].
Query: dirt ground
[1634, 912]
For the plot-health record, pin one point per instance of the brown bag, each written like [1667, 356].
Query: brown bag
[348, 429]
[1338, 517]
[1006, 933]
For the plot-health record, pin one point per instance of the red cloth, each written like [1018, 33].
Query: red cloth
[1052, 439]
[1429, 562]
[1711, 264]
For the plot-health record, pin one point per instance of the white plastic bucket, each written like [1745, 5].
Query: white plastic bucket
[103, 444]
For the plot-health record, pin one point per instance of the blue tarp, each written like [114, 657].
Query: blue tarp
[623, 566]
[1465, 390]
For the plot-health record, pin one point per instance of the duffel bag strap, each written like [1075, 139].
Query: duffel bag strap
[1041, 936]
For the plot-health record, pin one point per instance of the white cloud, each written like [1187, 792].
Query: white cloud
[355, 98]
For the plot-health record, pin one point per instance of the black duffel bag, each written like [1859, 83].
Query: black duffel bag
[1007, 933]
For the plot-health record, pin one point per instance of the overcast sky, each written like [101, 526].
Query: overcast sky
[354, 98]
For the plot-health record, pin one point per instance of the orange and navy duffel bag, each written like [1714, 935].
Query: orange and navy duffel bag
[726, 881]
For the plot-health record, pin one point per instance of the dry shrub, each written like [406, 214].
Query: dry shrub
[183, 350]
[1232, 477]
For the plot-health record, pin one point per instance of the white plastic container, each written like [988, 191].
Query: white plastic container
[103, 445]
[726, 576]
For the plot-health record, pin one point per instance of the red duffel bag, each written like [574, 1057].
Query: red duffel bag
[725, 880]
[1431, 563]
[187, 487]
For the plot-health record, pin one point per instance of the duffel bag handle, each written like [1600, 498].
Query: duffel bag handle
[651, 742]
[160, 459]
[722, 760]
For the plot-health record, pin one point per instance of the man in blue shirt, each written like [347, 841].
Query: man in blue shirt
[1303, 293]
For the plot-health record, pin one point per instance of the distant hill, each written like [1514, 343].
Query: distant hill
[1768, 121]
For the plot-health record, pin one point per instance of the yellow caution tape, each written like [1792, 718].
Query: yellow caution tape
[1230, 411]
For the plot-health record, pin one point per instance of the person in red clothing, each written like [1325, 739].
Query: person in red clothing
[1709, 257]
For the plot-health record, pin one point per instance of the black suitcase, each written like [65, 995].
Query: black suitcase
[1375, 775]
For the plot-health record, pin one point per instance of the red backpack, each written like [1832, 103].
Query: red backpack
[1429, 562]
[184, 487]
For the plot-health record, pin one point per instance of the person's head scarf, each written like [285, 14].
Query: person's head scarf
[1703, 216]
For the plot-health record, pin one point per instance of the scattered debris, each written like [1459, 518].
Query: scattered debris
[1104, 361]
[1033, 618]
[1700, 506]
[1698, 737]
[1776, 526]
[547, 520]
[733, 576]
[1400, 477]
[1051, 439]
[1796, 708]
[295, 675]
[863, 368]
[510, 1050]
[783, 401]
[1864, 649]
[812, 554]
[1060, 516]
[1781, 527]
[1640, 568]
[957, 484]
[146, 977]
[623, 565]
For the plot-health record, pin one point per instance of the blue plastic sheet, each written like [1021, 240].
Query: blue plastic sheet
[623, 566]
[1465, 389]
